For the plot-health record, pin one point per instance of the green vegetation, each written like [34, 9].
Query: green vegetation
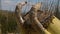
[8, 22]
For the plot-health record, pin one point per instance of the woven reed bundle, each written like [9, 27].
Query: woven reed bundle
[45, 18]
